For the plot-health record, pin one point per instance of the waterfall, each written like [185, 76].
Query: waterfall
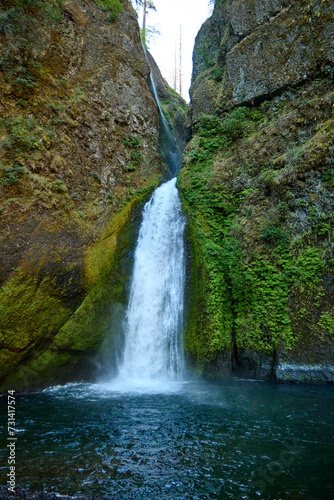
[156, 98]
[154, 320]
[169, 150]
[153, 326]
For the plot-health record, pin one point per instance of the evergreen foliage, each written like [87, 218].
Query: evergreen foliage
[135, 155]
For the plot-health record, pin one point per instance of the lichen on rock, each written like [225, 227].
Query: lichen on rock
[261, 47]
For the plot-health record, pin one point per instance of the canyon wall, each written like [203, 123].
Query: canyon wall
[79, 155]
[257, 186]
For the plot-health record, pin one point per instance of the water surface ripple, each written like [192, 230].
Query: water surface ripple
[192, 441]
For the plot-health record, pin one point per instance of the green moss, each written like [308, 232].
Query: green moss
[50, 366]
[230, 297]
[210, 318]
[100, 257]
[273, 234]
[326, 322]
[252, 277]
[308, 269]
[46, 338]
[135, 156]
[24, 135]
[11, 174]
[217, 73]
[208, 306]
[31, 313]
[218, 133]
[59, 186]
[204, 55]
[21, 70]
[260, 295]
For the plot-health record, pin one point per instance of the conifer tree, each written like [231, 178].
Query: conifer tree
[147, 5]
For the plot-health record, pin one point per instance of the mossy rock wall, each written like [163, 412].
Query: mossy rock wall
[249, 51]
[257, 188]
[79, 152]
[284, 51]
[45, 338]
[79, 133]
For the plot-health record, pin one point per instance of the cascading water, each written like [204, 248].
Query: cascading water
[156, 98]
[154, 320]
[153, 344]
[170, 152]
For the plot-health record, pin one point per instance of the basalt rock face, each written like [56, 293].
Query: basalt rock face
[258, 48]
[79, 154]
[257, 185]
[229, 23]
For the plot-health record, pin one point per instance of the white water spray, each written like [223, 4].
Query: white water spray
[153, 348]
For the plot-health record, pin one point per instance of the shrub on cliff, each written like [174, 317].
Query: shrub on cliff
[114, 6]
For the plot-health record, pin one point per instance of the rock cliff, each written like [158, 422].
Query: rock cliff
[257, 185]
[79, 154]
[258, 48]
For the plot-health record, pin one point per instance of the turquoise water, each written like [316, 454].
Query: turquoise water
[237, 439]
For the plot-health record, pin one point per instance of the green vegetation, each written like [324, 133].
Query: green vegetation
[217, 74]
[204, 55]
[11, 174]
[215, 134]
[135, 142]
[256, 267]
[326, 322]
[114, 6]
[59, 186]
[273, 234]
[24, 134]
[55, 206]
[21, 137]
[25, 137]
[328, 178]
[56, 332]
[21, 19]
[135, 155]
[173, 107]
